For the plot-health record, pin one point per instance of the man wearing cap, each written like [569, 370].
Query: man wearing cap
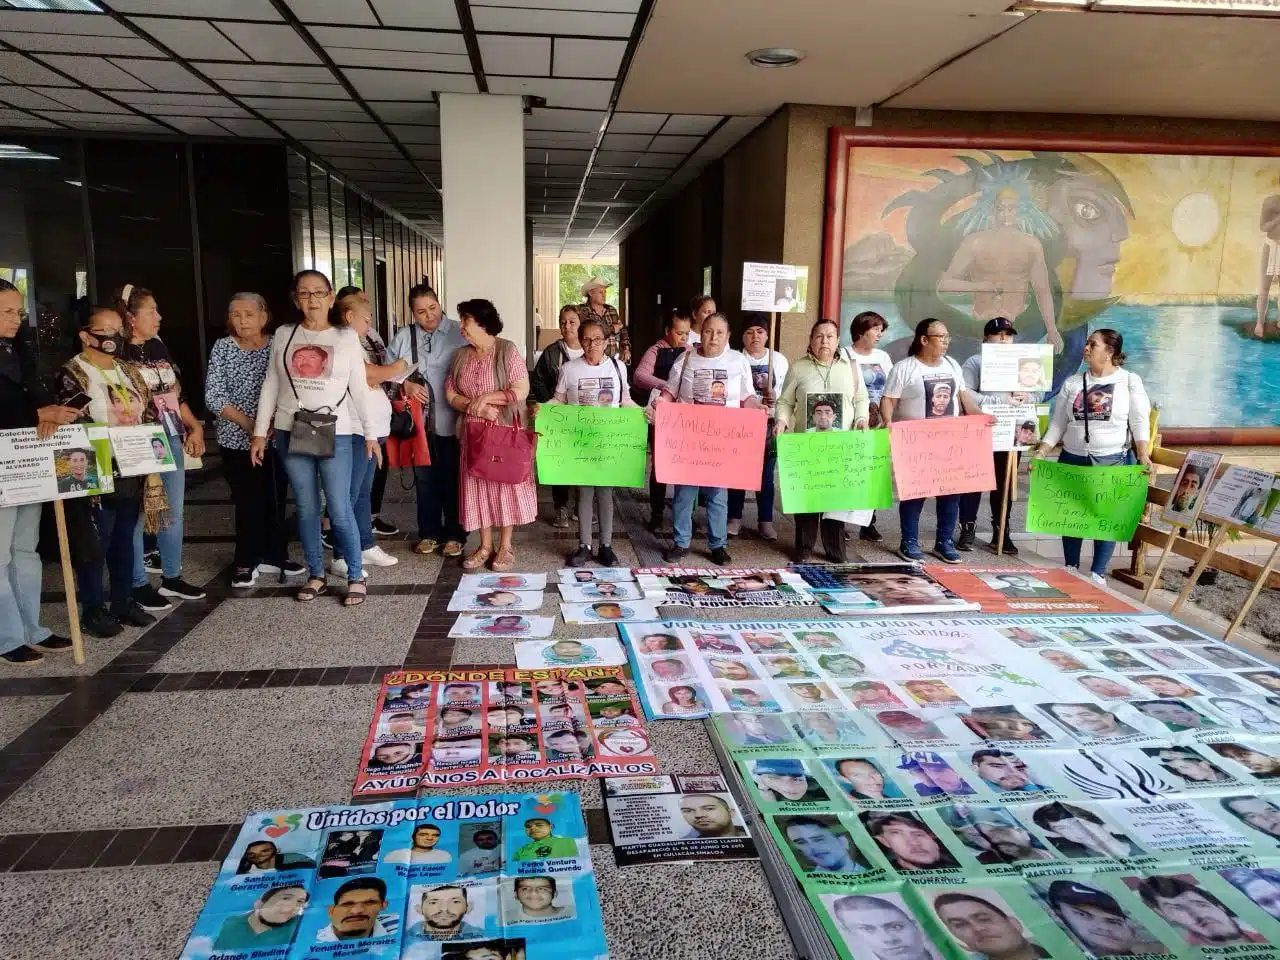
[785, 781]
[1095, 920]
[617, 340]
[997, 330]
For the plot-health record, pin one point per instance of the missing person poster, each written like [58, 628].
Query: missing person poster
[1027, 590]
[569, 652]
[1194, 478]
[585, 575]
[882, 589]
[608, 611]
[681, 818]
[513, 625]
[67, 464]
[1017, 425]
[451, 728]
[774, 287]
[1243, 496]
[723, 587]
[483, 877]
[1016, 368]
[141, 450]
[480, 601]
[478, 582]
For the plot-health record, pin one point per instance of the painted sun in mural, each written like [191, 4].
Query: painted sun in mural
[1196, 218]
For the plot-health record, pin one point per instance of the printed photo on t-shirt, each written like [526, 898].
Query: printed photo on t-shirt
[1100, 398]
[597, 391]
[311, 361]
[711, 385]
[823, 411]
[875, 378]
[939, 396]
[760, 377]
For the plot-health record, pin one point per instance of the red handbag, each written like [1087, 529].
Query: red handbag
[499, 453]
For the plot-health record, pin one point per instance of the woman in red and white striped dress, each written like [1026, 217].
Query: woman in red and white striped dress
[474, 390]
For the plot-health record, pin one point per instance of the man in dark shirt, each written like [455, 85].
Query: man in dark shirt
[24, 402]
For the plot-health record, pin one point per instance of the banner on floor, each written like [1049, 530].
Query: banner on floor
[701, 445]
[684, 818]
[722, 587]
[483, 877]
[592, 446]
[880, 589]
[68, 464]
[934, 458]
[452, 728]
[1027, 590]
[835, 470]
[584, 575]
[1091, 503]
[141, 450]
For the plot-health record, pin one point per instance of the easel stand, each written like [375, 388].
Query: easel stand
[69, 582]
[1010, 495]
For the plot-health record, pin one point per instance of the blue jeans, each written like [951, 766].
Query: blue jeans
[1102, 549]
[20, 573]
[307, 476]
[363, 469]
[715, 499]
[116, 519]
[168, 539]
[948, 513]
[764, 496]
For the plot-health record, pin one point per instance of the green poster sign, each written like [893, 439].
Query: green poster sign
[1092, 503]
[592, 446]
[825, 471]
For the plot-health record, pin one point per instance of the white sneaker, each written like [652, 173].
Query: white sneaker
[734, 527]
[339, 569]
[1098, 579]
[375, 556]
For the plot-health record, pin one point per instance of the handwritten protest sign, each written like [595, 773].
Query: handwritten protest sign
[592, 446]
[1093, 503]
[835, 470]
[933, 458]
[706, 446]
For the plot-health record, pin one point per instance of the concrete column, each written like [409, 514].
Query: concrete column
[482, 163]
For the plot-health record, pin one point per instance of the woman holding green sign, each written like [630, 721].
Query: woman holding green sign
[823, 390]
[1102, 419]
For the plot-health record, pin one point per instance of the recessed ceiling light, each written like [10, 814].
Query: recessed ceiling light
[774, 57]
[15, 151]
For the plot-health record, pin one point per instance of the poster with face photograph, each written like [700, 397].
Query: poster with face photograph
[883, 589]
[1242, 496]
[604, 590]
[490, 726]
[723, 587]
[493, 600]
[1027, 590]
[608, 611]
[67, 464]
[469, 878]
[570, 652]
[478, 582]
[513, 625]
[141, 450]
[1016, 368]
[1017, 425]
[774, 287]
[681, 818]
[1192, 482]
[581, 575]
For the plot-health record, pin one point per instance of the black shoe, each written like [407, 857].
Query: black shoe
[869, 532]
[22, 655]
[149, 598]
[288, 568]
[675, 554]
[580, 556]
[606, 557]
[98, 622]
[968, 536]
[54, 642]
[177, 587]
[383, 529]
[134, 616]
[326, 538]
[1010, 550]
[654, 524]
[244, 577]
[151, 562]
[720, 557]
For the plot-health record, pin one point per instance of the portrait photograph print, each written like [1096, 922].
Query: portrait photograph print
[824, 411]
[1195, 476]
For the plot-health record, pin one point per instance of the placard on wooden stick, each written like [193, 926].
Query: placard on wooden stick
[1185, 502]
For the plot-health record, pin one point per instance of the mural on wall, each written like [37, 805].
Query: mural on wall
[1181, 254]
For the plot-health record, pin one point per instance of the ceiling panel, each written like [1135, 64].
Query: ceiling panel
[546, 118]
[558, 93]
[666, 143]
[604, 6]
[588, 58]
[104, 121]
[559, 138]
[16, 118]
[525, 20]
[85, 101]
[81, 43]
[691, 125]
[528, 56]
[279, 43]
[332, 11]
[405, 84]
[625, 141]
[36, 21]
[197, 126]
[229, 9]
[101, 74]
[281, 104]
[265, 73]
[248, 127]
[164, 75]
[423, 14]
[27, 98]
[416, 41]
[319, 91]
[416, 134]
[624, 122]
[193, 39]
[401, 60]
[416, 111]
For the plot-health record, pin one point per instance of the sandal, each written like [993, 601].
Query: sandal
[477, 558]
[309, 593]
[356, 594]
[505, 560]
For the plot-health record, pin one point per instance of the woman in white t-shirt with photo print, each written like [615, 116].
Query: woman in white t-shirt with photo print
[711, 374]
[928, 384]
[593, 380]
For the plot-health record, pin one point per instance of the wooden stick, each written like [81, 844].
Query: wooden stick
[1010, 491]
[1218, 537]
[69, 582]
[773, 345]
[1164, 556]
[1253, 594]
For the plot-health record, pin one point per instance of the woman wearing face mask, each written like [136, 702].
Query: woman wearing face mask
[318, 367]
[150, 357]
[755, 347]
[354, 312]
[874, 365]
[928, 384]
[542, 387]
[594, 380]
[1102, 419]
[117, 396]
[711, 374]
[823, 391]
[237, 368]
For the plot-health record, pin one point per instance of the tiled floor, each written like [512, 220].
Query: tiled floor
[124, 780]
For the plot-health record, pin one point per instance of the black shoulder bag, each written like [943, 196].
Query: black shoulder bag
[314, 433]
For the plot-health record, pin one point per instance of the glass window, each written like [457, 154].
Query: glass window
[299, 212]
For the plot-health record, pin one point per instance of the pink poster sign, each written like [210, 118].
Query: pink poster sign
[933, 458]
[699, 445]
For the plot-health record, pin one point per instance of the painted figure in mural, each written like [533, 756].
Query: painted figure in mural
[1269, 222]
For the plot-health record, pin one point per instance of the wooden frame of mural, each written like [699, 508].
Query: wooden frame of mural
[842, 139]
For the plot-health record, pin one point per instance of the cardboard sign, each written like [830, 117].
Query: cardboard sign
[592, 446]
[1092, 503]
[1186, 496]
[1016, 367]
[683, 818]
[67, 464]
[1243, 496]
[933, 458]
[700, 445]
[774, 287]
[823, 471]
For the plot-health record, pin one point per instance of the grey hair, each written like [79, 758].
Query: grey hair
[257, 298]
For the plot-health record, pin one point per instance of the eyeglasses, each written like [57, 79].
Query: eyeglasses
[312, 294]
[944, 337]
[592, 341]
